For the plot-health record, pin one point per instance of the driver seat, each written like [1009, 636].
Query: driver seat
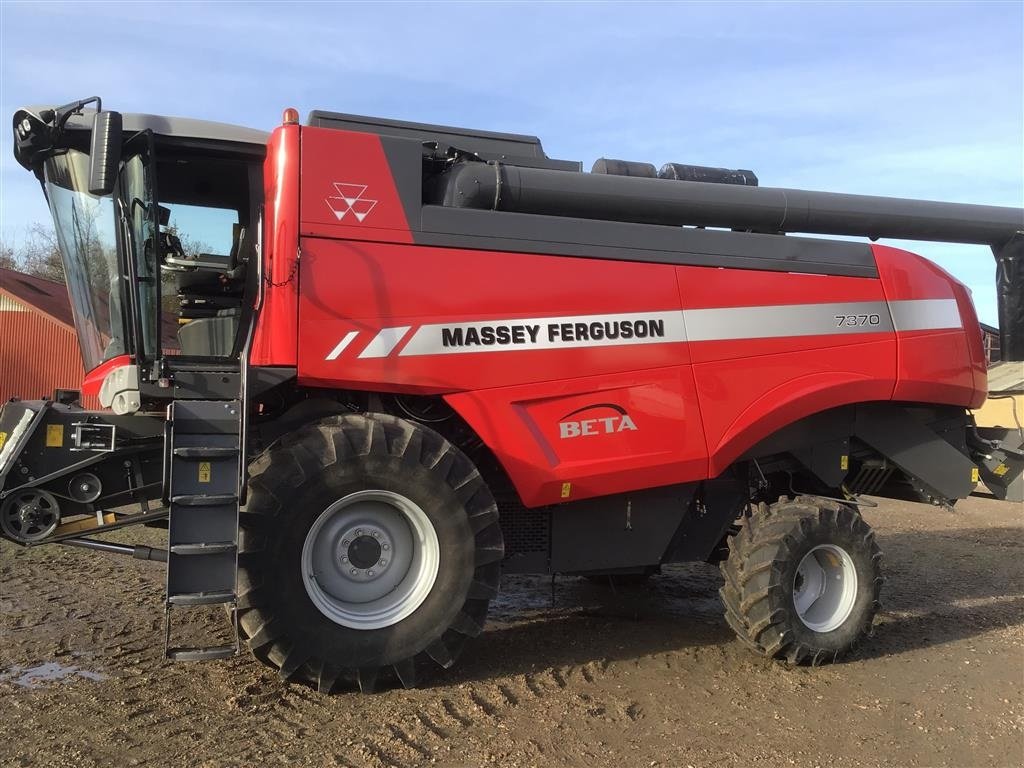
[211, 311]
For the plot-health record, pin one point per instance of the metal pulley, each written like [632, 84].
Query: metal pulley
[29, 515]
[85, 487]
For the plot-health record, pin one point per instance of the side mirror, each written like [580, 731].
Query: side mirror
[104, 152]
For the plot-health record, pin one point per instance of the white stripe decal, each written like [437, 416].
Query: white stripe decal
[385, 341]
[346, 340]
[925, 314]
[663, 327]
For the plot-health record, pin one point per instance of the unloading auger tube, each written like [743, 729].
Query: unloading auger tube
[502, 187]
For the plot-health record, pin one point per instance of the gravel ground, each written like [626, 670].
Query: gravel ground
[580, 675]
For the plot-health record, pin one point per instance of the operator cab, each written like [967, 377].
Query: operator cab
[207, 237]
[159, 245]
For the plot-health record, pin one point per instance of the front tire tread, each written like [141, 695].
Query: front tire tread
[294, 460]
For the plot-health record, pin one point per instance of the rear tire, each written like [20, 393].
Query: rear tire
[411, 493]
[802, 580]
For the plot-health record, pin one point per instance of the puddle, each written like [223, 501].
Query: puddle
[49, 672]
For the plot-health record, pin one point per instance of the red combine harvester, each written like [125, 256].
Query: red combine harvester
[404, 358]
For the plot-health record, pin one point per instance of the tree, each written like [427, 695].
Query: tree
[38, 254]
[190, 246]
[7, 260]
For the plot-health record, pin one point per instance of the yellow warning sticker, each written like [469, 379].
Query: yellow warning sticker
[54, 435]
[999, 471]
[975, 475]
[204, 471]
[3, 439]
[566, 490]
[844, 462]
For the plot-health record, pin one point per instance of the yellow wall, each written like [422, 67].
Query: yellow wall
[998, 412]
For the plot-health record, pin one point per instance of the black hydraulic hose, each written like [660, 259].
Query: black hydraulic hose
[670, 202]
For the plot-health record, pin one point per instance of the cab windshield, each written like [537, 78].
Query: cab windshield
[86, 227]
[148, 277]
[86, 231]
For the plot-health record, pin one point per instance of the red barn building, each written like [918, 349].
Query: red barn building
[38, 345]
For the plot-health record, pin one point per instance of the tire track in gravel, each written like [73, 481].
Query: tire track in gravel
[523, 695]
[118, 617]
[448, 716]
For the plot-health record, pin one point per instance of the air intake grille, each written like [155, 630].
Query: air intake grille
[525, 530]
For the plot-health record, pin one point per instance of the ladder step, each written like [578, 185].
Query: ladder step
[202, 598]
[203, 466]
[205, 500]
[210, 653]
[203, 548]
[205, 453]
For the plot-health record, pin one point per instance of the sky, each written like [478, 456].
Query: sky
[917, 99]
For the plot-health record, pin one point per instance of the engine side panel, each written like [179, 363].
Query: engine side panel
[592, 436]
[940, 358]
[770, 348]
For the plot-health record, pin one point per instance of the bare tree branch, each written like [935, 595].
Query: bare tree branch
[38, 254]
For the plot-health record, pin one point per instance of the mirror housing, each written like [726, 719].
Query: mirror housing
[104, 152]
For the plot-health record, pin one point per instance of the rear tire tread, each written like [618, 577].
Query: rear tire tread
[762, 615]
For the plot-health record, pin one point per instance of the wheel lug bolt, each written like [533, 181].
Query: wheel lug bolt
[344, 559]
[344, 542]
[376, 535]
[354, 572]
[386, 547]
[382, 563]
[369, 573]
[359, 532]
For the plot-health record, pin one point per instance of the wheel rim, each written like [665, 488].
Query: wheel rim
[30, 515]
[825, 588]
[370, 559]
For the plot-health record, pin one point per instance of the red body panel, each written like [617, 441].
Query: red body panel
[93, 381]
[661, 444]
[751, 387]
[348, 190]
[363, 287]
[275, 340]
[746, 399]
[588, 377]
[936, 365]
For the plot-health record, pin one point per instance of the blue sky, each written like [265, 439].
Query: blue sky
[913, 100]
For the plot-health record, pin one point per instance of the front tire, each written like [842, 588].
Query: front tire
[369, 545]
[802, 580]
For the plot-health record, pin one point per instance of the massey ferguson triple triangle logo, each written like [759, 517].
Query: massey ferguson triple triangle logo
[350, 200]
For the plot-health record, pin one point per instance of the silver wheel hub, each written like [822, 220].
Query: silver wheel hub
[370, 559]
[365, 550]
[825, 588]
